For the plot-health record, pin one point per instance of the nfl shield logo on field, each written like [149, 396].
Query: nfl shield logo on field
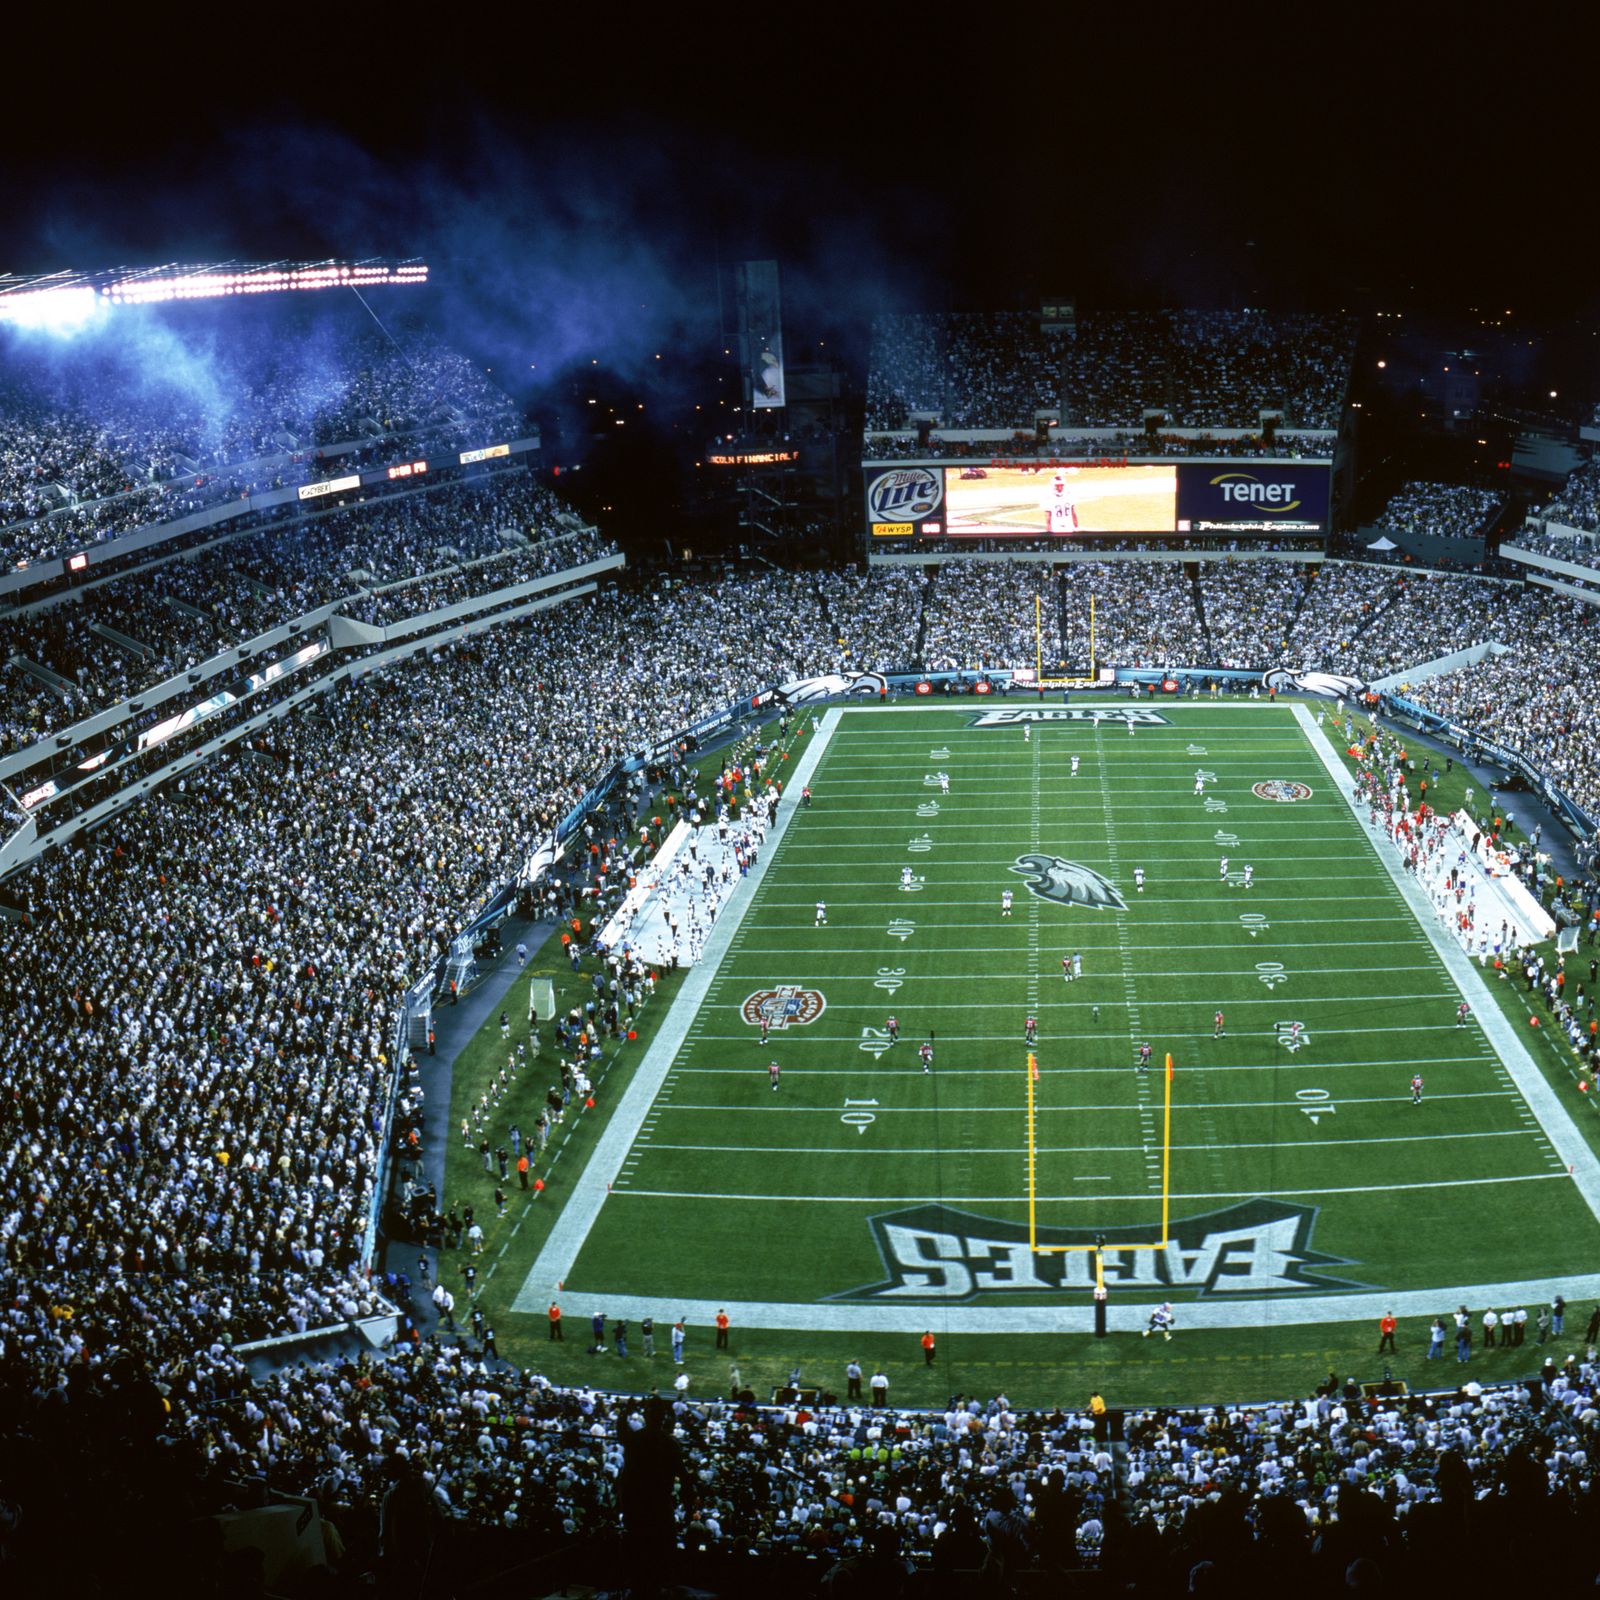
[784, 1007]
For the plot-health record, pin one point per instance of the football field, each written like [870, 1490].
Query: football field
[1292, 1179]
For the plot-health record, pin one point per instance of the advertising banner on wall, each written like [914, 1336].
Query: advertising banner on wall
[1252, 497]
[761, 333]
[905, 501]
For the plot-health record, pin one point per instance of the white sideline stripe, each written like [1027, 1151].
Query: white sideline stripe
[583, 1207]
[604, 1166]
[862, 1149]
[1066, 1306]
[1146, 944]
[1072, 1199]
[1552, 1116]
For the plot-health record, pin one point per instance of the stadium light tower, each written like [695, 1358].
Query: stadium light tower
[65, 303]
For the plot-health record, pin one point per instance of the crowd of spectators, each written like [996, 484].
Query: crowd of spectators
[875, 617]
[1369, 622]
[1088, 447]
[1002, 369]
[1249, 609]
[1577, 505]
[907, 372]
[161, 419]
[1203, 369]
[454, 585]
[1538, 696]
[1228, 366]
[202, 1019]
[1580, 549]
[982, 615]
[1442, 510]
[1362, 621]
[1345, 1466]
[183, 612]
[1143, 613]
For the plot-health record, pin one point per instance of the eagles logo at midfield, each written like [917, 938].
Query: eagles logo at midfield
[1068, 883]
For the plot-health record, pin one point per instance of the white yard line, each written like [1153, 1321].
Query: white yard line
[1085, 1199]
[1070, 1306]
[989, 973]
[604, 1166]
[1413, 937]
[949, 1072]
[790, 1109]
[855, 1151]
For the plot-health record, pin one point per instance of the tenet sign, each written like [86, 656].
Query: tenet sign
[1252, 496]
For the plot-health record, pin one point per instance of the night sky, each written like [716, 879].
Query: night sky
[575, 192]
[1158, 158]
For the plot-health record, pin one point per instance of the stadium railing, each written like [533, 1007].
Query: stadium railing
[53, 569]
[1467, 739]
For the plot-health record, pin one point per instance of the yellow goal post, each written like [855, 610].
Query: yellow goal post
[1038, 1249]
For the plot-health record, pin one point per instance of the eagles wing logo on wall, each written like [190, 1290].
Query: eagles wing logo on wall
[1068, 883]
[802, 691]
[1334, 685]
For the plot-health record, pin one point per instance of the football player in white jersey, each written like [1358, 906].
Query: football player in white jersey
[1060, 514]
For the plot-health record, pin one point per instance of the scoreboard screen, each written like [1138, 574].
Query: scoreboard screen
[1205, 500]
[1060, 501]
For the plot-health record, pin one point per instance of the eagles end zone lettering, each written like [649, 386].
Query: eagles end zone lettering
[937, 1252]
[1014, 717]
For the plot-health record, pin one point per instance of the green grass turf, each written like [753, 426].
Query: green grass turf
[738, 1193]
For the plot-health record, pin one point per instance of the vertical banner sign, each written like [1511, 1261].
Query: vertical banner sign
[761, 333]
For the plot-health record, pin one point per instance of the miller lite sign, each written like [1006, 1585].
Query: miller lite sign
[905, 494]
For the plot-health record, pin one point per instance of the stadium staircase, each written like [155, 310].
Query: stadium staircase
[1119, 1472]
[919, 658]
[1391, 597]
[1200, 608]
[1305, 594]
[827, 613]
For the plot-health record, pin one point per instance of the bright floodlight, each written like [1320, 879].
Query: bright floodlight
[66, 302]
[58, 311]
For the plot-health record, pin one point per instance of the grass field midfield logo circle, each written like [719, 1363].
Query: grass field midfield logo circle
[1068, 883]
[1283, 790]
[787, 1006]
